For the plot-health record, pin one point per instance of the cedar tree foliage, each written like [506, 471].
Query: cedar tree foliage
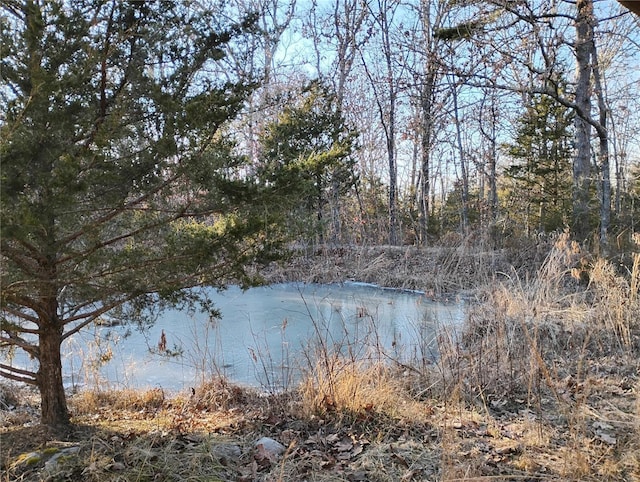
[307, 153]
[120, 189]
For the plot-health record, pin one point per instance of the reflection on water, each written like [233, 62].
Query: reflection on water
[263, 337]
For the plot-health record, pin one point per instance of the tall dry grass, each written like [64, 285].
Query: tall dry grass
[557, 344]
[356, 390]
[522, 332]
[92, 401]
[350, 376]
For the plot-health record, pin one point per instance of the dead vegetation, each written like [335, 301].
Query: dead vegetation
[541, 383]
[457, 266]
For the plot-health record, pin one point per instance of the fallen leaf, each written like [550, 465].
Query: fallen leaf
[344, 446]
[357, 450]
[344, 456]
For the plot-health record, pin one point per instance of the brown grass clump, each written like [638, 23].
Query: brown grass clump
[219, 394]
[91, 401]
[357, 391]
[614, 302]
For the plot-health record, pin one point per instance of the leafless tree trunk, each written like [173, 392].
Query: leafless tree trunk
[489, 133]
[603, 152]
[588, 71]
[427, 96]
[582, 178]
[386, 102]
[464, 174]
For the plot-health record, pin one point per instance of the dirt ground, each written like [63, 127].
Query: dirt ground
[203, 439]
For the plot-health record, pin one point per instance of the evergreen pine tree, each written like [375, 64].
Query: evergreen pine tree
[119, 189]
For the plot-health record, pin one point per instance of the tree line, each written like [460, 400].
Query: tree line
[442, 94]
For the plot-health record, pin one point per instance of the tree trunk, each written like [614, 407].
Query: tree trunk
[632, 5]
[582, 162]
[336, 224]
[464, 218]
[427, 98]
[603, 154]
[493, 155]
[49, 377]
[393, 179]
[605, 201]
[320, 204]
[394, 238]
[426, 104]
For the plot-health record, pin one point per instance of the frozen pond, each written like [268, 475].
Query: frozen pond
[263, 338]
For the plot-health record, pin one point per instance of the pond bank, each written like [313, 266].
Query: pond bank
[440, 271]
[542, 385]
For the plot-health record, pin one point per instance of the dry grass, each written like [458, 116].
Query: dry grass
[541, 383]
[517, 329]
[92, 401]
[557, 347]
[438, 271]
[358, 391]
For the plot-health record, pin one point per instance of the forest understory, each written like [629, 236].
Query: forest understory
[540, 384]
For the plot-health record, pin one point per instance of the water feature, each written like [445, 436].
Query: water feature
[262, 338]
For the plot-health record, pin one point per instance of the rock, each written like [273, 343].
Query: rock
[27, 460]
[116, 466]
[270, 446]
[52, 464]
[226, 451]
[52, 455]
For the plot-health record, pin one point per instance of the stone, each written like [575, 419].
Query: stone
[226, 451]
[52, 464]
[27, 460]
[270, 446]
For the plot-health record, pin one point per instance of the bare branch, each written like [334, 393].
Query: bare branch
[17, 374]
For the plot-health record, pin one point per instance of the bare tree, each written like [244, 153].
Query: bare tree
[541, 43]
[386, 93]
[431, 15]
[262, 60]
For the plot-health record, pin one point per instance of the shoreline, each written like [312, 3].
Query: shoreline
[540, 385]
